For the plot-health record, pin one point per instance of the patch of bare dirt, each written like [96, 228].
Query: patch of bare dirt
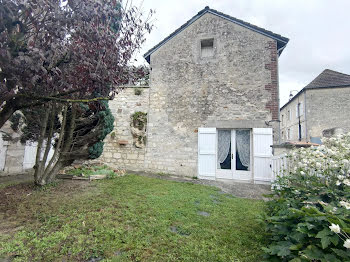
[20, 202]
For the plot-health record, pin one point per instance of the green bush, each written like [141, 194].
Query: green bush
[309, 214]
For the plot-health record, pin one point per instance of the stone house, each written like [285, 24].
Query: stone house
[212, 104]
[15, 157]
[318, 109]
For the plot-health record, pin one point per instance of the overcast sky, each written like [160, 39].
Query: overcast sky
[319, 31]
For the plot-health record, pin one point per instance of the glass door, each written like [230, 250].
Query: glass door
[225, 148]
[233, 154]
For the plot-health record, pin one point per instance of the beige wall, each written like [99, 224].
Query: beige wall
[327, 108]
[324, 108]
[123, 106]
[231, 89]
[188, 91]
[14, 152]
[291, 124]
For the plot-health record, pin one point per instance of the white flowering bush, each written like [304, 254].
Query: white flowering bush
[309, 214]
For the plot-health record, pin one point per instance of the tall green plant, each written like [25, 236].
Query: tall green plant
[310, 202]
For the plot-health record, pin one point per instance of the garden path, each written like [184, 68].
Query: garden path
[238, 189]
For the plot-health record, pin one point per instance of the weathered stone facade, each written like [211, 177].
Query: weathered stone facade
[323, 105]
[119, 149]
[290, 120]
[12, 152]
[236, 87]
[188, 92]
[215, 72]
[327, 108]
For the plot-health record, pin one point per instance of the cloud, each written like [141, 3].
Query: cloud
[318, 31]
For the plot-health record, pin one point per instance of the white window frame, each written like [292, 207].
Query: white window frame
[301, 109]
[289, 134]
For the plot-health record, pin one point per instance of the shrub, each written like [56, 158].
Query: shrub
[309, 214]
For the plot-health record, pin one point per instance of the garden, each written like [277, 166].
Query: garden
[128, 218]
[308, 218]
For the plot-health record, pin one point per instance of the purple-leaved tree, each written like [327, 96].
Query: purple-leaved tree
[61, 60]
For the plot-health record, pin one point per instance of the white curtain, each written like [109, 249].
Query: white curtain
[224, 141]
[243, 146]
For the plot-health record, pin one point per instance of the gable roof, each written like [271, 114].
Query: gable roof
[327, 79]
[330, 78]
[281, 40]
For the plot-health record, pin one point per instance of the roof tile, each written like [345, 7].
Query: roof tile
[329, 78]
[281, 40]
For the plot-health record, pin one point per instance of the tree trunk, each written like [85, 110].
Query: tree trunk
[46, 174]
[38, 162]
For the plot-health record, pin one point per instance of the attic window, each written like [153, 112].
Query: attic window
[207, 47]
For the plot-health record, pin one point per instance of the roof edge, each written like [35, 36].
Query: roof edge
[281, 40]
[310, 88]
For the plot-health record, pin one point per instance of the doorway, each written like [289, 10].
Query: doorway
[233, 154]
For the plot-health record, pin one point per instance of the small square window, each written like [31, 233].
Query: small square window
[207, 47]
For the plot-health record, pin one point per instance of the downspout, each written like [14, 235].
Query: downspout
[305, 118]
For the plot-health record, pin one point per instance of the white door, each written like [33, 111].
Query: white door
[206, 153]
[234, 154]
[262, 140]
[3, 149]
[29, 155]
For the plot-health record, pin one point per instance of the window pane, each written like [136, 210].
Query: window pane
[224, 149]
[242, 149]
[207, 47]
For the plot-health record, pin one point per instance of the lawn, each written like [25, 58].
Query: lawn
[130, 218]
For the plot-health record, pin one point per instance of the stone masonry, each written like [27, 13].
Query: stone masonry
[327, 108]
[237, 87]
[119, 150]
[14, 151]
[322, 104]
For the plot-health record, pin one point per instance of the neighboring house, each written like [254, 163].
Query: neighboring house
[212, 105]
[319, 107]
[15, 157]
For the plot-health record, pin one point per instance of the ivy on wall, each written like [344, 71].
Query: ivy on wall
[138, 129]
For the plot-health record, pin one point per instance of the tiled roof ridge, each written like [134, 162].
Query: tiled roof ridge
[268, 33]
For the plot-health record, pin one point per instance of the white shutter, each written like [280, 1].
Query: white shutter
[262, 141]
[206, 153]
[29, 155]
[3, 149]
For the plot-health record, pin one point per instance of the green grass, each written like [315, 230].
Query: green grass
[136, 218]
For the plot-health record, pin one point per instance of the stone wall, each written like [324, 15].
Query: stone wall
[293, 123]
[14, 152]
[327, 108]
[119, 149]
[236, 87]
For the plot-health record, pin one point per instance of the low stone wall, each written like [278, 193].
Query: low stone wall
[119, 149]
[13, 152]
[287, 147]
